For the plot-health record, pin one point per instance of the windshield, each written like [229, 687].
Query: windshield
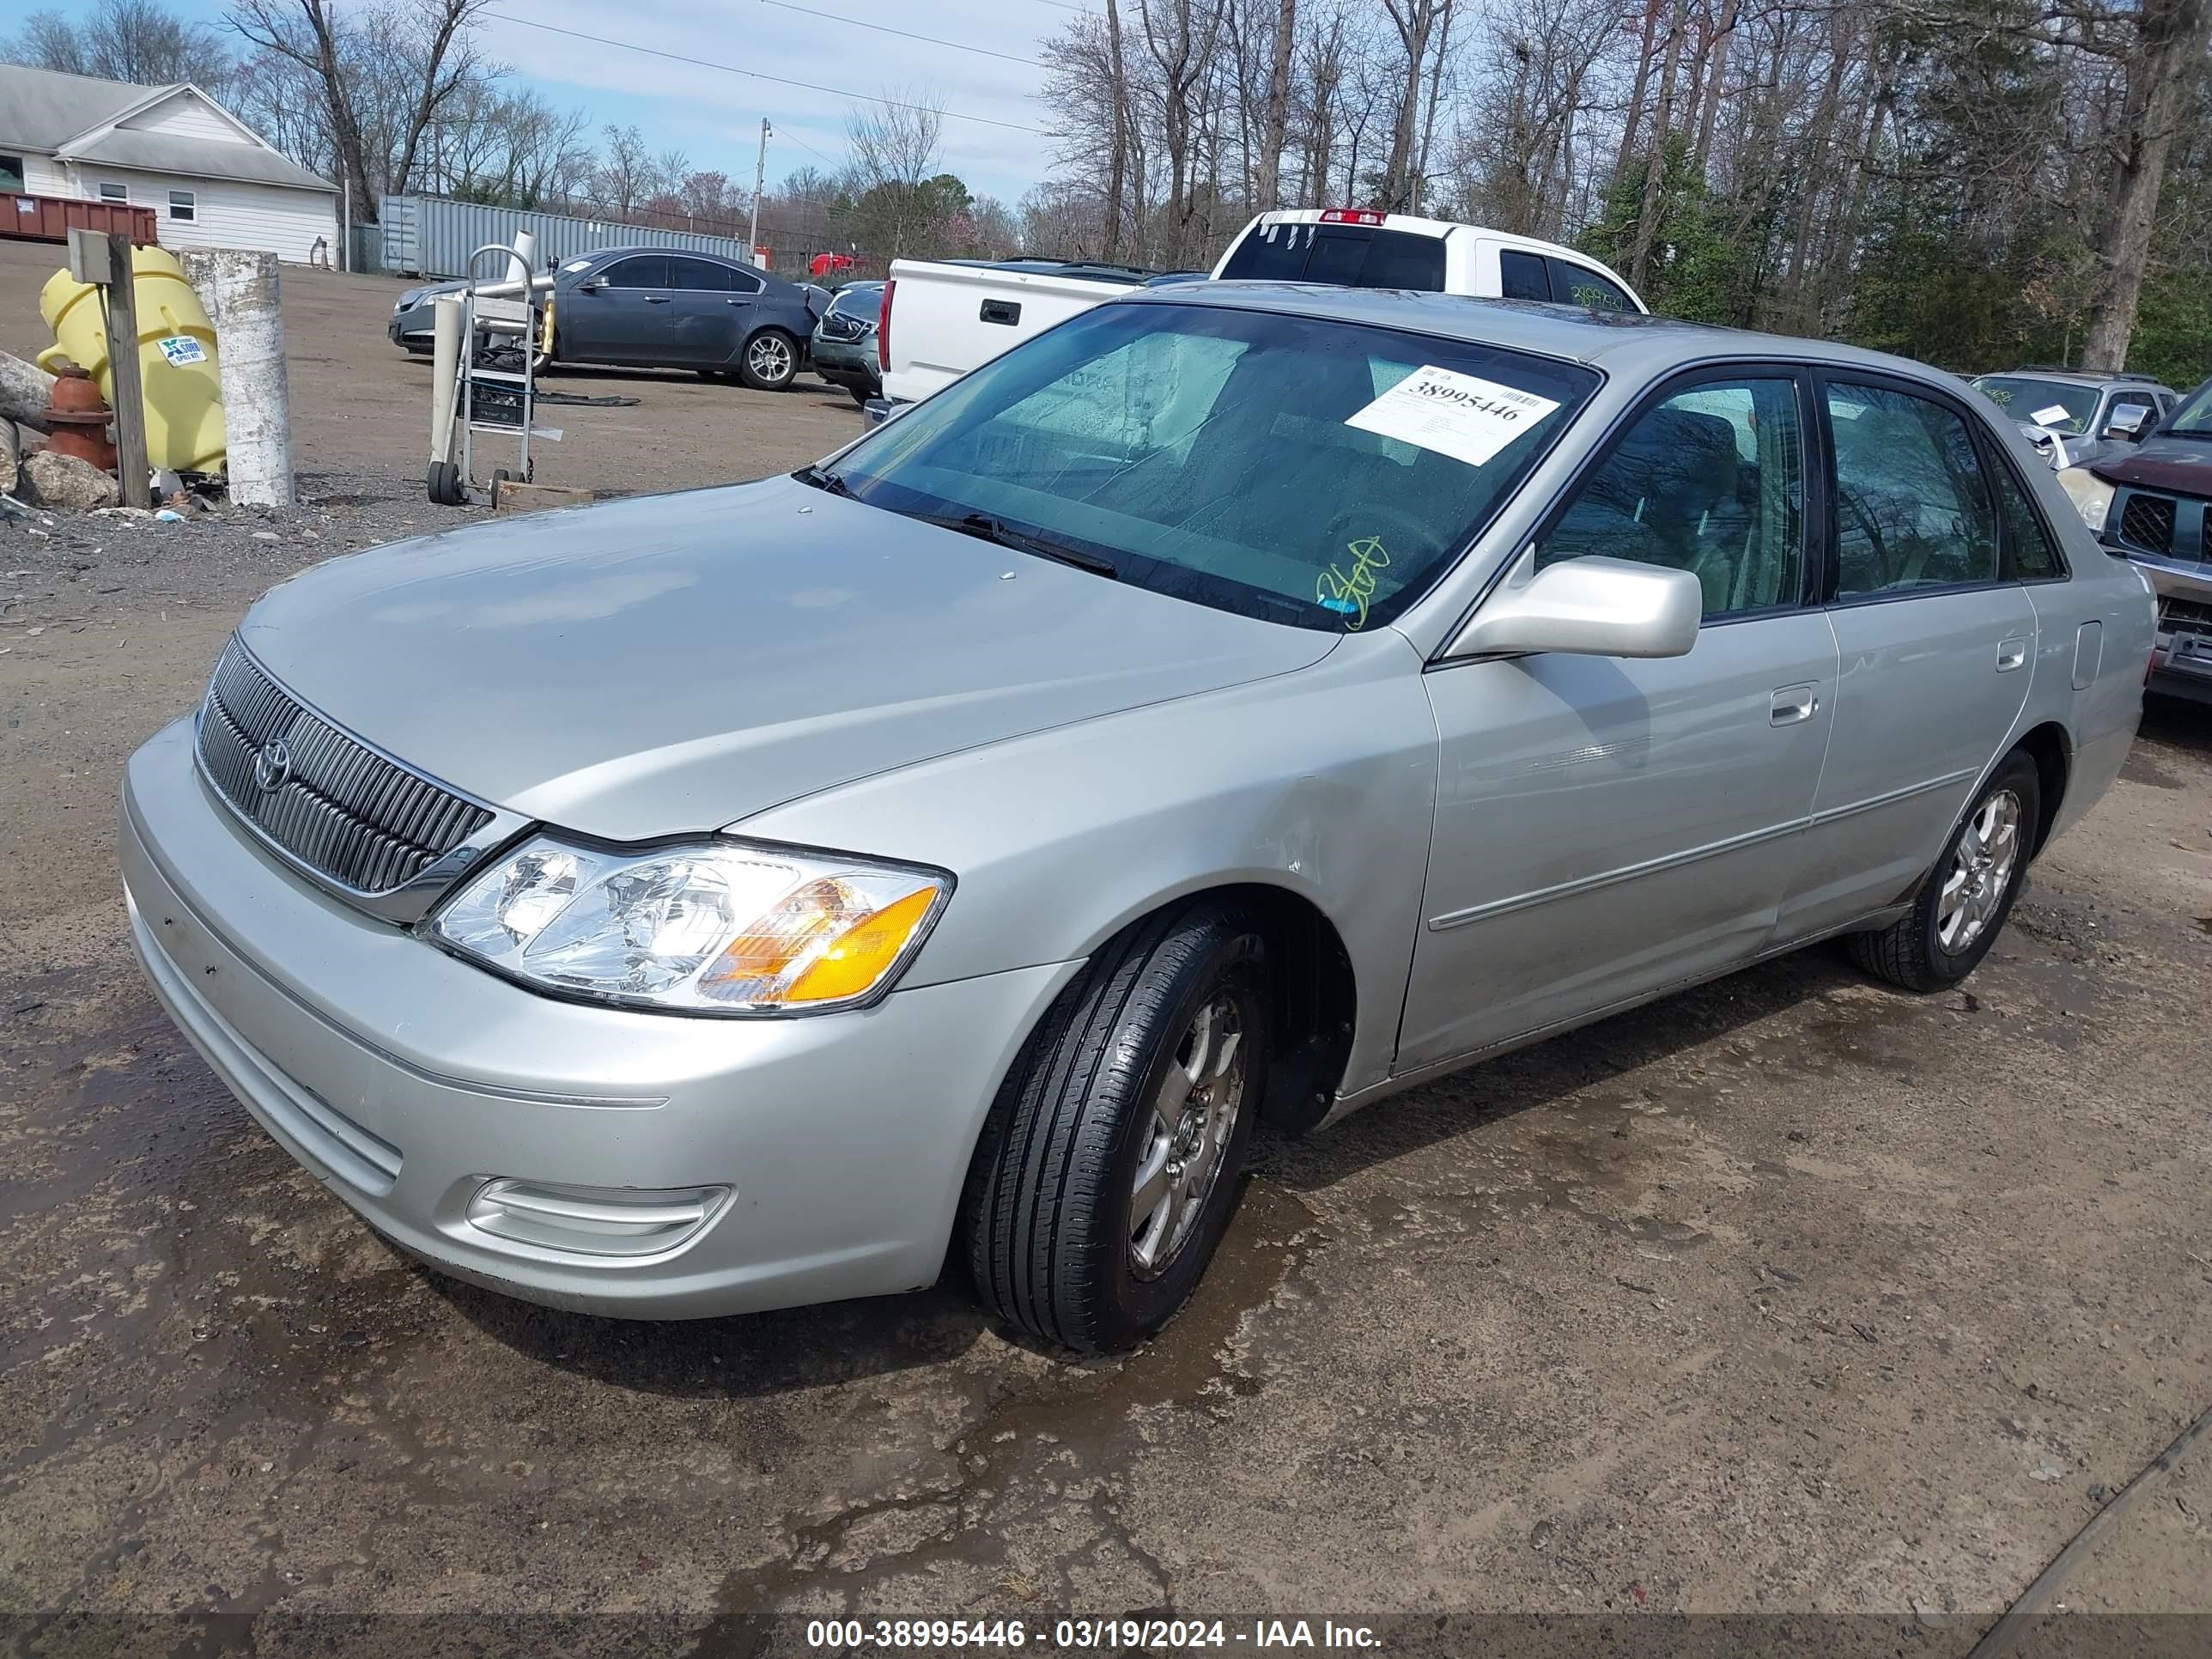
[2194, 417]
[1297, 469]
[2051, 404]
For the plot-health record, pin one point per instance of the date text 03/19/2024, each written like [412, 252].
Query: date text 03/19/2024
[1080, 1634]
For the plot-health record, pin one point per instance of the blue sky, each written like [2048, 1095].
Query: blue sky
[715, 115]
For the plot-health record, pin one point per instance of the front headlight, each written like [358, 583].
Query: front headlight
[720, 927]
[2091, 495]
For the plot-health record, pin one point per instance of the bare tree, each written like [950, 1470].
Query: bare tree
[384, 75]
[2166, 65]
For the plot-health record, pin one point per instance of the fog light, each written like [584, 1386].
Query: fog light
[595, 1220]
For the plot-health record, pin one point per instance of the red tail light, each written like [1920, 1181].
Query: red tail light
[884, 329]
[1350, 216]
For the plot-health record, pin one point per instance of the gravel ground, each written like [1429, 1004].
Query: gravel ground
[1790, 1295]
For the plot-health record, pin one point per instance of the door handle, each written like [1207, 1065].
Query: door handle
[656, 299]
[1793, 703]
[737, 302]
[2011, 653]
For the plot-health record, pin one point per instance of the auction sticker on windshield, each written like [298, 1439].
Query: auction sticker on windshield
[2052, 416]
[1462, 415]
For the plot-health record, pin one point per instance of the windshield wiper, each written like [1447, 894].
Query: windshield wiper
[984, 527]
[831, 483]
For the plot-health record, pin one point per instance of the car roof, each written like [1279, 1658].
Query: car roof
[1624, 341]
[598, 253]
[2074, 377]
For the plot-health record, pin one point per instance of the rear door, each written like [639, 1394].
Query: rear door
[1936, 644]
[705, 322]
[620, 314]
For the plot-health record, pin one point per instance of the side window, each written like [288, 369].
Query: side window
[183, 204]
[1912, 506]
[645, 271]
[110, 192]
[1712, 482]
[1578, 285]
[11, 174]
[2031, 555]
[744, 282]
[698, 275]
[1521, 275]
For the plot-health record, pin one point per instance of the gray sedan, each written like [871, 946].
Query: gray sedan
[1240, 702]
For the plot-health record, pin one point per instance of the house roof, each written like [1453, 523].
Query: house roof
[199, 158]
[42, 110]
[75, 118]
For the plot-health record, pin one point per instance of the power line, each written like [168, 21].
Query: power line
[904, 34]
[755, 75]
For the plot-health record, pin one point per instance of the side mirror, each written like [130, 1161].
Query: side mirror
[591, 285]
[2127, 423]
[1587, 607]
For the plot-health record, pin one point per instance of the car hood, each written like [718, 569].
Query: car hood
[2182, 464]
[679, 662]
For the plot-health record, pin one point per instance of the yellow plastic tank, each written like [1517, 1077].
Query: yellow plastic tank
[176, 357]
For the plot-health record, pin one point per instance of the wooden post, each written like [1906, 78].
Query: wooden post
[128, 395]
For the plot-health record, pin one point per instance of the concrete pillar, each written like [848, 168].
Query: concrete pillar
[240, 290]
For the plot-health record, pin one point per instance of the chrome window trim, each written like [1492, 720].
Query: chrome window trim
[402, 906]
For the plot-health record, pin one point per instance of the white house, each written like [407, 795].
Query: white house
[210, 178]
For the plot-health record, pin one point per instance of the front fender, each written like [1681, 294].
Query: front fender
[1321, 782]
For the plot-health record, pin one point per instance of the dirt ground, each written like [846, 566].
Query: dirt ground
[1791, 1295]
[361, 404]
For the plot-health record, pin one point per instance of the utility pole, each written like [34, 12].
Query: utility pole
[760, 179]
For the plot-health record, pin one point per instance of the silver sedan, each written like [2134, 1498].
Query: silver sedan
[1241, 701]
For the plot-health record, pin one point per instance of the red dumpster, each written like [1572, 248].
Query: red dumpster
[51, 218]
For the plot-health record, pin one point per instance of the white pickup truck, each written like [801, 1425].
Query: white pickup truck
[942, 317]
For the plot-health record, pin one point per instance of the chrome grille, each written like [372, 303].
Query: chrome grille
[2147, 521]
[340, 808]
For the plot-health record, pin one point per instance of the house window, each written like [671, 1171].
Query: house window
[109, 192]
[181, 205]
[11, 174]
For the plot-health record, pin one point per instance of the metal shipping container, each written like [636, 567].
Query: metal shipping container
[432, 236]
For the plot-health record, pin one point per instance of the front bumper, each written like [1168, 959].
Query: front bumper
[408, 1082]
[846, 362]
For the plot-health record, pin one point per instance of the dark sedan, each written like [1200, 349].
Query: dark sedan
[634, 307]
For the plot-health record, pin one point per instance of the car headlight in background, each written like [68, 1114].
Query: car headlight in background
[718, 927]
[2091, 495]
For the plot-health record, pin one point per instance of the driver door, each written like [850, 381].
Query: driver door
[621, 315]
[1606, 828]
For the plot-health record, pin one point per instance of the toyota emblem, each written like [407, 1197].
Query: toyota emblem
[272, 766]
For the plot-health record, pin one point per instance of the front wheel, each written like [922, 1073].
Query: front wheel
[769, 361]
[1956, 915]
[1108, 1169]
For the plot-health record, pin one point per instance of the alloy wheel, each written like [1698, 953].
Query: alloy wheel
[1980, 871]
[1191, 1119]
[768, 357]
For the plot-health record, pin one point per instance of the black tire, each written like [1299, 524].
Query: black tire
[1047, 1216]
[500, 478]
[761, 378]
[1910, 952]
[861, 396]
[443, 483]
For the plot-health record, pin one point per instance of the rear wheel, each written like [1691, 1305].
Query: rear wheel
[860, 395]
[769, 361]
[1108, 1169]
[1956, 915]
